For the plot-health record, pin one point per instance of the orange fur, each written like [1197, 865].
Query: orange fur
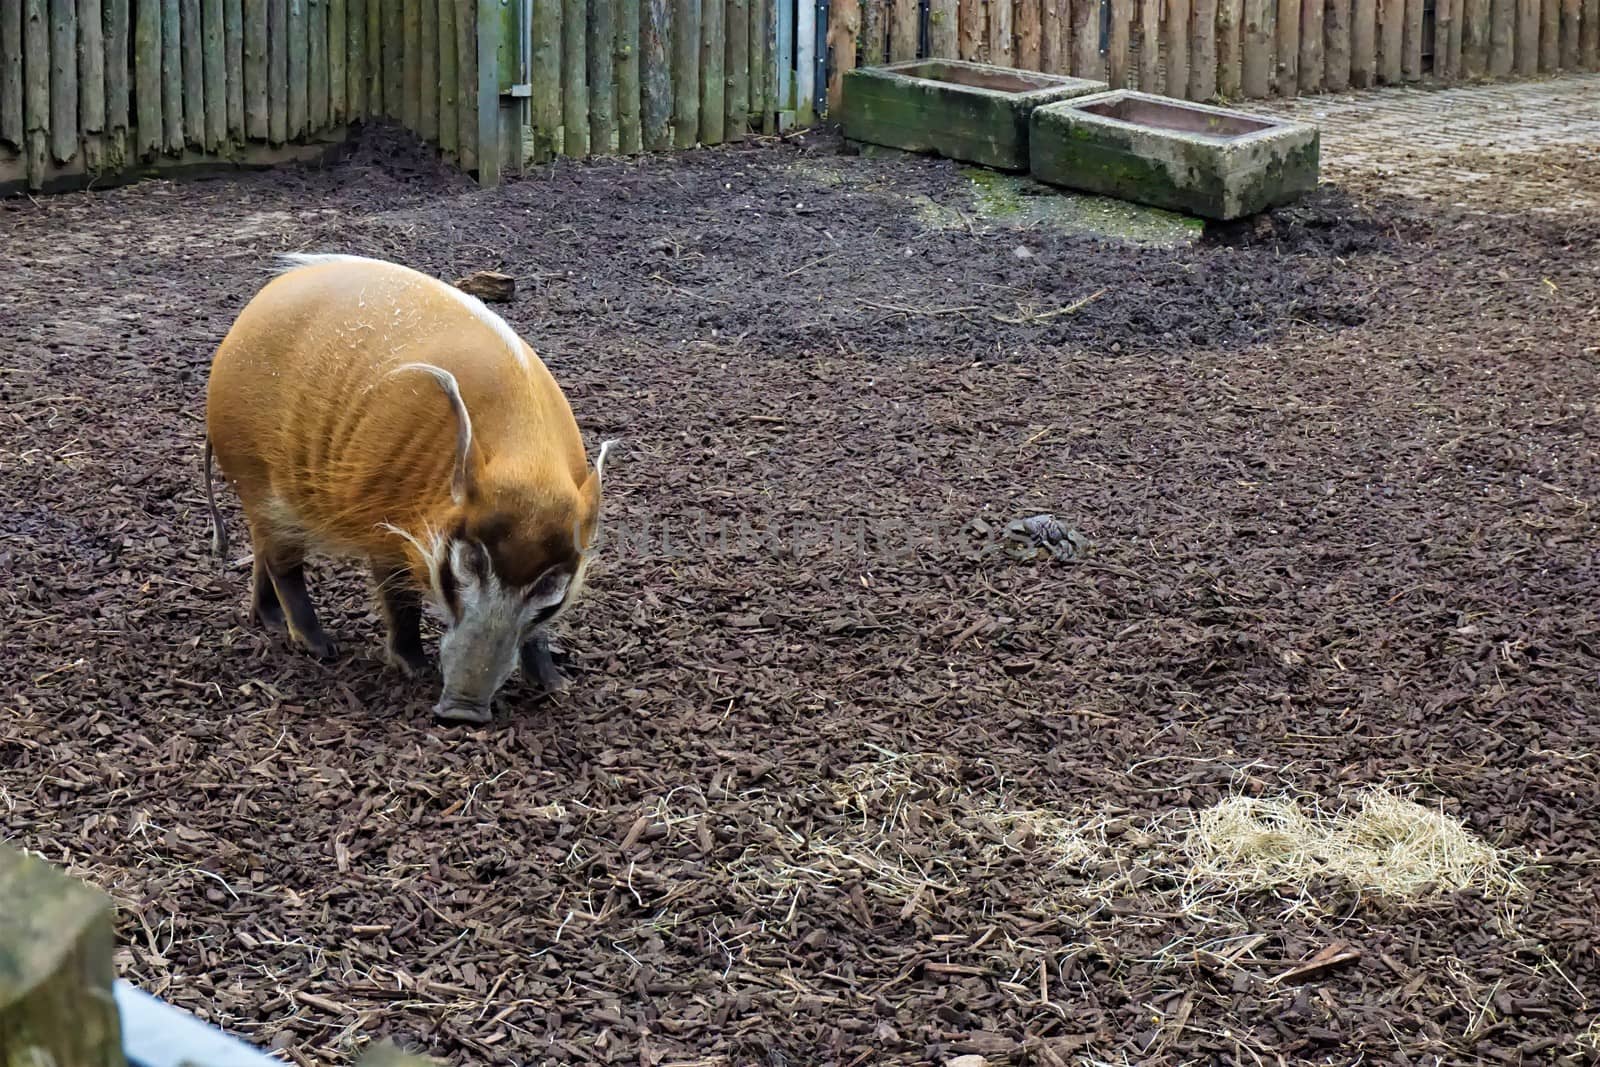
[330, 450]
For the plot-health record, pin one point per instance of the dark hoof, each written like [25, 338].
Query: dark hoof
[463, 713]
[540, 668]
[321, 646]
[408, 662]
[269, 618]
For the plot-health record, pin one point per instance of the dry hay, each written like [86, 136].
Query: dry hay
[1383, 843]
[910, 828]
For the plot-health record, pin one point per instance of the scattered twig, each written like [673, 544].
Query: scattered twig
[930, 312]
[1328, 957]
[1046, 316]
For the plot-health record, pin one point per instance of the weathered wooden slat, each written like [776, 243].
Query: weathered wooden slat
[544, 102]
[943, 28]
[394, 60]
[1312, 26]
[655, 75]
[92, 83]
[736, 68]
[1474, 38]
[119, 29]
[1571, 30]
[278, 71]
[1176, 35]
[758, 61]
[1055, 21]
[1117, 42]
[428, 70]
[36, 89]
[147, 77]
[844, 20]
[1528, 12]
[488, 93]
[256, 113]
[713, 56]
[411, 65]
[466, 83]
[172, 74]
[1391, 41]
[1447, 40]
[338, 45]
[1364, 43]
[91, 67]
[1336, 45]
[1256, 79]
[11, 73]
[629, 133]
[1549, 35]
[450, 80]
[1086, 59]
[215, 61]
[377, 78]
[1411, 42]
[1288, 33]
[805, 61]
[356, 58]
[970, 19]
[1229, 39]
[1589, 44]
[194, 74]
[602, 86]
[299, 83]
[1030, 26]
[233, 66]
[316, 64]
[575, 77]
[1150, 45]
[1202, 49]
[685, 73]
[63, 79]
[777, 70]
[1002, 31]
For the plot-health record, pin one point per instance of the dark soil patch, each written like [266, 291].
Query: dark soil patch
[1339, 473]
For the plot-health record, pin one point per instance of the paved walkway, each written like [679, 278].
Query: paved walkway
[1467, 144]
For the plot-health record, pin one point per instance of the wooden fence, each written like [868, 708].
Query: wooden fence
[1232, 49]
[96, 89]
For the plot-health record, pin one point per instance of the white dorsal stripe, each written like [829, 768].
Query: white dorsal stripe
[293, 260]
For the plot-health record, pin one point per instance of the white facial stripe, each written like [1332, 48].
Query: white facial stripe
[290, 260]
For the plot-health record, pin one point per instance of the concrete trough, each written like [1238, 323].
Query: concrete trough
[1203, 160]
[967, 111]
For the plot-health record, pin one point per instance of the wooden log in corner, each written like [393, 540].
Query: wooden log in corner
[56, 941]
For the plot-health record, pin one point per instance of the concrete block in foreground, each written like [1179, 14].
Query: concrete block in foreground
[959, 110]
[1203, 160]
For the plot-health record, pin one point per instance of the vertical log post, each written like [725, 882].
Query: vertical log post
[1528, 12]
[1055, 22]
[713, 53]
[338, 55]
[488, 93]
[1364, 43]
[1177, 34]
[256, 119]
[1150, 44]
[629, 135]
[1203, 53]
[63, 80]
[1029, 28]
[602, 85]
[575, 76]
[91, 83]
[1086, 60]
[449, 105]
[1391, 40]
[686, 73]
[1288, 29]
[1256, 80]
[278, 71]
[466, 82]
[118, 29]
[299, 85]
[736, 67]
[11, 74]
[356, 59]
[844, 22]
[36, 89]
[215, 65]
[1549, 35]
[1229, 62]
[655, 75]
[1312, 26]
[427, 63]
[759, 15]
[1001, 32]
[147, 77]
[544, 104]
[1336, 54]
[943, 26]
[233, 65]
[172, 74]
[969, 30]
